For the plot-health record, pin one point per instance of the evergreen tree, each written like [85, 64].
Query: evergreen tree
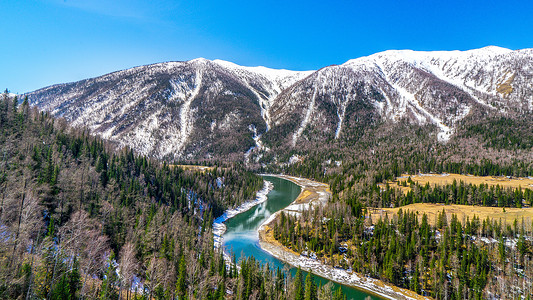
[311, 292]
[298, 285]
[180, 283]
[107, 288]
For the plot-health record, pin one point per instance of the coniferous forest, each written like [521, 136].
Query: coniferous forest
[448, 258]
[452, 259]
[82, 220]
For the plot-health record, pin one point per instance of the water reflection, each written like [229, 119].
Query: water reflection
[242, 239]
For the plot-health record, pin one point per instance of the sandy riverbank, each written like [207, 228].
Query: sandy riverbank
[316, 193]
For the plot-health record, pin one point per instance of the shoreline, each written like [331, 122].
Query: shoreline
[219, 228]
[312, 194]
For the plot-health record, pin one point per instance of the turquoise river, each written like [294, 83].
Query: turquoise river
[242, 238]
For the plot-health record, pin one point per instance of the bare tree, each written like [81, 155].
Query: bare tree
[82, 237]
[128, 266]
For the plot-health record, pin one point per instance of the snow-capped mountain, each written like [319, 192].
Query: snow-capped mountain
[175, 109]
[203, 108]
[427, 87]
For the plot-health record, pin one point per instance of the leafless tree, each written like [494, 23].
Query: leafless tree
[128, 266]
[82, 237]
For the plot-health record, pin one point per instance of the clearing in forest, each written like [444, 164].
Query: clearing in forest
[507, 214]
[444, 179]
[194, 168]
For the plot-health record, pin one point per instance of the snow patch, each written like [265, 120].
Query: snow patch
[219, 228]
[340, 114]
[186, 122]
[258, 144]
[420, 112]
[294, 159]
[273, 81]
[307, 116]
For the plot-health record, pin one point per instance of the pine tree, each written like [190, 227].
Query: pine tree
[182, 274]
[339, 295]
[298, 285]
[107, 289]
[310, 288]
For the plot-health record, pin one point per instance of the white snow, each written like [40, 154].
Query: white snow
[264, 105]
[479, 73]
[11, 95]
[294, 159]
[218, 224]
[449, 66]
[258, 145]
[446, 131]
[307, 116]
[268, 73]
[186, 120]
[340, 115]
[272, 80]
[311, 264]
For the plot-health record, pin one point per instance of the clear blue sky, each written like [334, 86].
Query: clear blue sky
[44, 42]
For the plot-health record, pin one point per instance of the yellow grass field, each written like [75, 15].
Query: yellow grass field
[194, 168]
[443, 179]
[462, 212]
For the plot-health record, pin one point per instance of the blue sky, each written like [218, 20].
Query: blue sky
[44, 42]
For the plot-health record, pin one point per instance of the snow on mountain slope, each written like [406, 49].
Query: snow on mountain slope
[173, 110]
[265, 83]
[439, 87]
[202, 108]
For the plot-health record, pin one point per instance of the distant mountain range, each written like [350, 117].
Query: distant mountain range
[204, 109]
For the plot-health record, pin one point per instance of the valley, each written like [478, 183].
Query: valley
[314, 194]
[259, 150]
[161, 162]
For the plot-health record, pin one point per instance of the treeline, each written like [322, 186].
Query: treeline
[448, 260]
[455, 193]
[375, 171]
[389, 151]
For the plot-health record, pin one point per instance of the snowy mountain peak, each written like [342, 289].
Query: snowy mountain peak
[203, 108]
[199, 60]
[425, 87]
[268, 73]
[413, 56]
[494, 49]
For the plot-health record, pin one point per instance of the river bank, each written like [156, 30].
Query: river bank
[219, 228]
[312, 194]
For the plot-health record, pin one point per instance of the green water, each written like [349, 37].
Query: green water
[242, 239]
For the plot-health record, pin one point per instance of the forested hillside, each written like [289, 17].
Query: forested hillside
[79, 219]
[452, 258]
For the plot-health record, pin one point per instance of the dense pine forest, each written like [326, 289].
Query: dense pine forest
[449, 259]
[80, 219]
[453, 259]
[455, 193]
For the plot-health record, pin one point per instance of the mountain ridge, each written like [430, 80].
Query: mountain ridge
[195, 109]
